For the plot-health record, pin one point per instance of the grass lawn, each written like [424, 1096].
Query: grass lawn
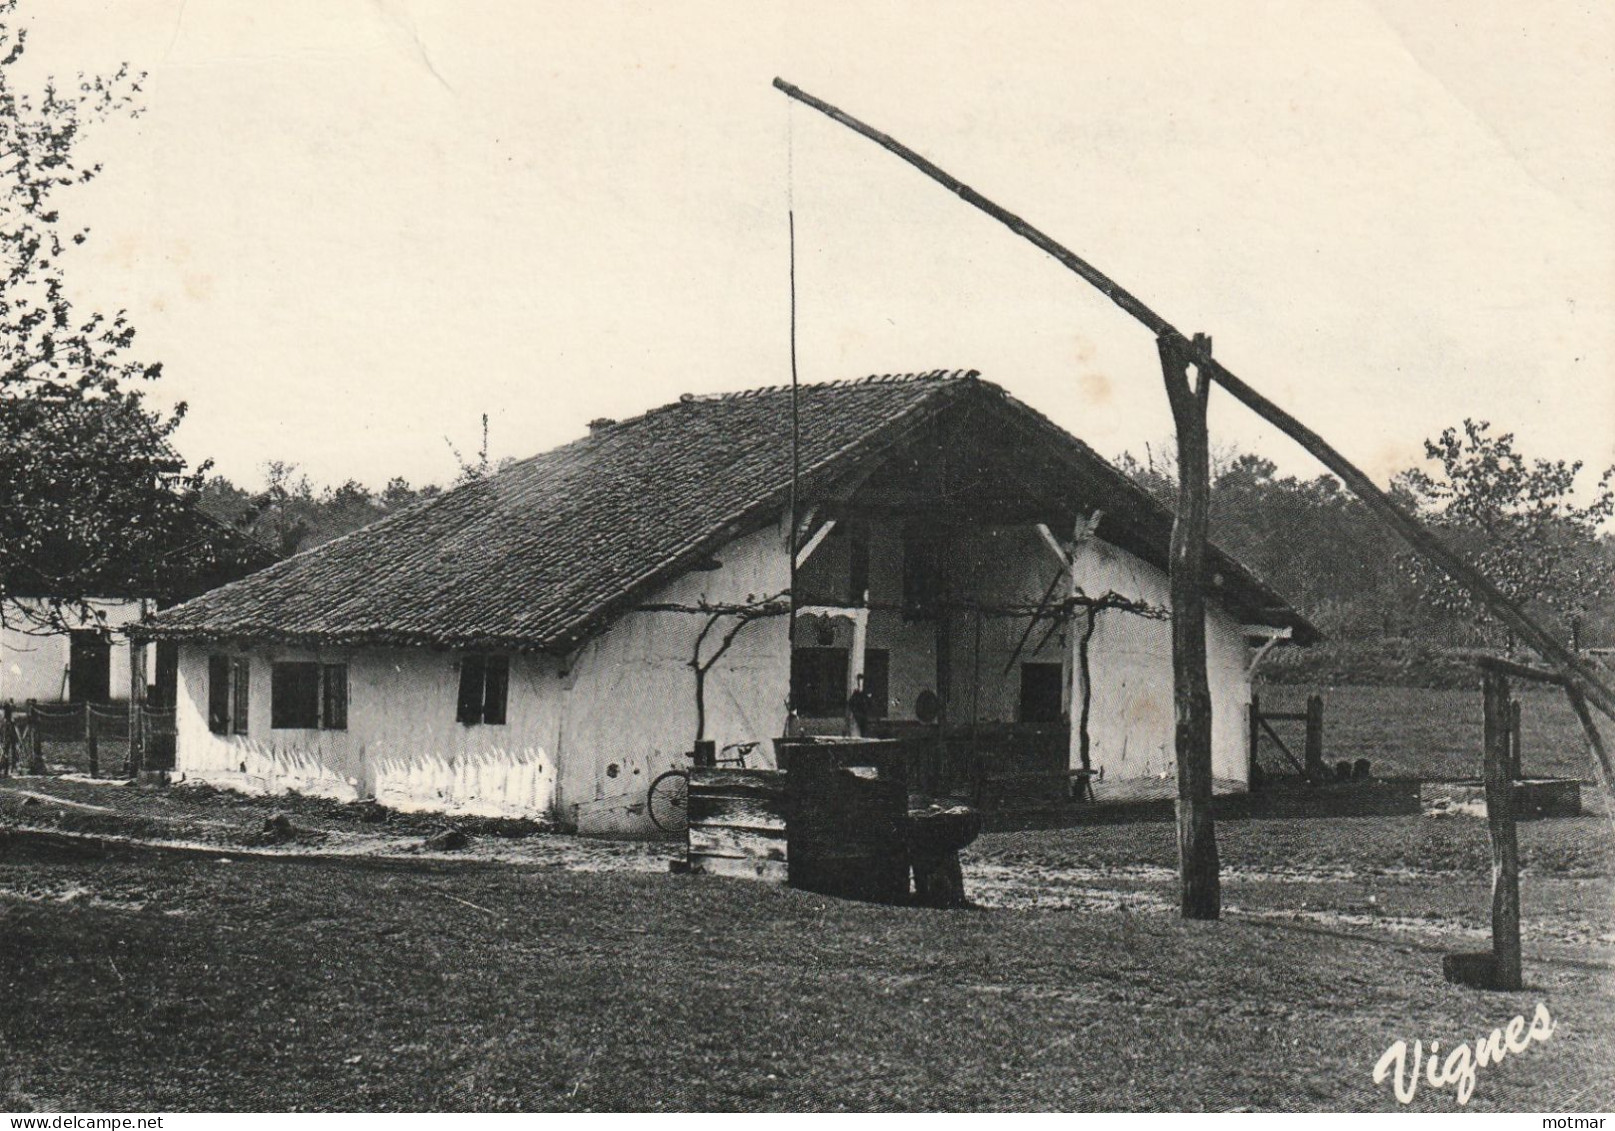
[1423, 733]
[555, 973]
[163, 980]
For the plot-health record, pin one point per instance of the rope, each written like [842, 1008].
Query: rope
[796, 419]
[59, 712]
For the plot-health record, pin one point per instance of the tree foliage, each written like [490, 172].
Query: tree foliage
[93, 499]
[288, 514]
[1519, 520]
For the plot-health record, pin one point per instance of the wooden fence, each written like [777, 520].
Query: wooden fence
[91, 738]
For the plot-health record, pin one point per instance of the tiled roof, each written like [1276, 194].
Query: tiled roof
[541, 553]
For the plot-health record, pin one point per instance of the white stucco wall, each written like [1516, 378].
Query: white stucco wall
[1132, 723]
[630, 701]
[402, 744]
[584, 736]
[35, 666]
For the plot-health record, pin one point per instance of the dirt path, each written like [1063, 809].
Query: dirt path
[1400, 900]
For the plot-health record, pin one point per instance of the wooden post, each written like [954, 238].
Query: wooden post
[8, 741]
[1200, 895]
[1314, 747]
[857, 658]
[91, 741]
[1500, 821]
[1595, 741]
[36, 754]
[1515, 762]
[1254, 718]
[137, 699]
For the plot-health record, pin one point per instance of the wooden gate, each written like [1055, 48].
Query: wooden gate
[1310, 766]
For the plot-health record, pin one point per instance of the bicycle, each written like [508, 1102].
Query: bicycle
[668, 799]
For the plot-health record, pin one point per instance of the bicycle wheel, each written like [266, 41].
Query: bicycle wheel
[668, 801]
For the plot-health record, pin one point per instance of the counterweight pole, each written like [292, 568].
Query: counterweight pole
[1412, 531]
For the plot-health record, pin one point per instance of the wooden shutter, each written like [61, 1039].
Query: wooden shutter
[469, 710]
[218, 694]
[239, 682]
[334, 693]
[496, 686]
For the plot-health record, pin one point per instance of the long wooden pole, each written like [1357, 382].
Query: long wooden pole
[1200, 889]
[1595, 741]
[1414, 532]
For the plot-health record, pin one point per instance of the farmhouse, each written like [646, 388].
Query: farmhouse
[549, 639]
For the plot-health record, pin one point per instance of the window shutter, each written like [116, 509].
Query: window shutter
[496, 686]
[240, 681]
[334, 688]
[469, 710]
[218, 694]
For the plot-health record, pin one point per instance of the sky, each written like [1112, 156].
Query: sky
[348, 228]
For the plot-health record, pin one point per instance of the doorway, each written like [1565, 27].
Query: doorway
[89, 666]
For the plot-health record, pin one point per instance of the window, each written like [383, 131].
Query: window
[1041, 686]
[484, 686]
[227, 694]
[922, 575]
[819, 682]
[308, 696]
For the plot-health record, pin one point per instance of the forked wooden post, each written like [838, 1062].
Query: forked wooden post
[1500, 968]
[1200, 887]
[1500, 820]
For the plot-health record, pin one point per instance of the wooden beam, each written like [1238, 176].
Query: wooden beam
[1200, 889]
[1275, 637]
[1519, 671]
[1053, 544]
[819, 535]
[1598, 693]
[1595, 742]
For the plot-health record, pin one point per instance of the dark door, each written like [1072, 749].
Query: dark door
[1040, 693]
[89, 666]
[165, 690]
